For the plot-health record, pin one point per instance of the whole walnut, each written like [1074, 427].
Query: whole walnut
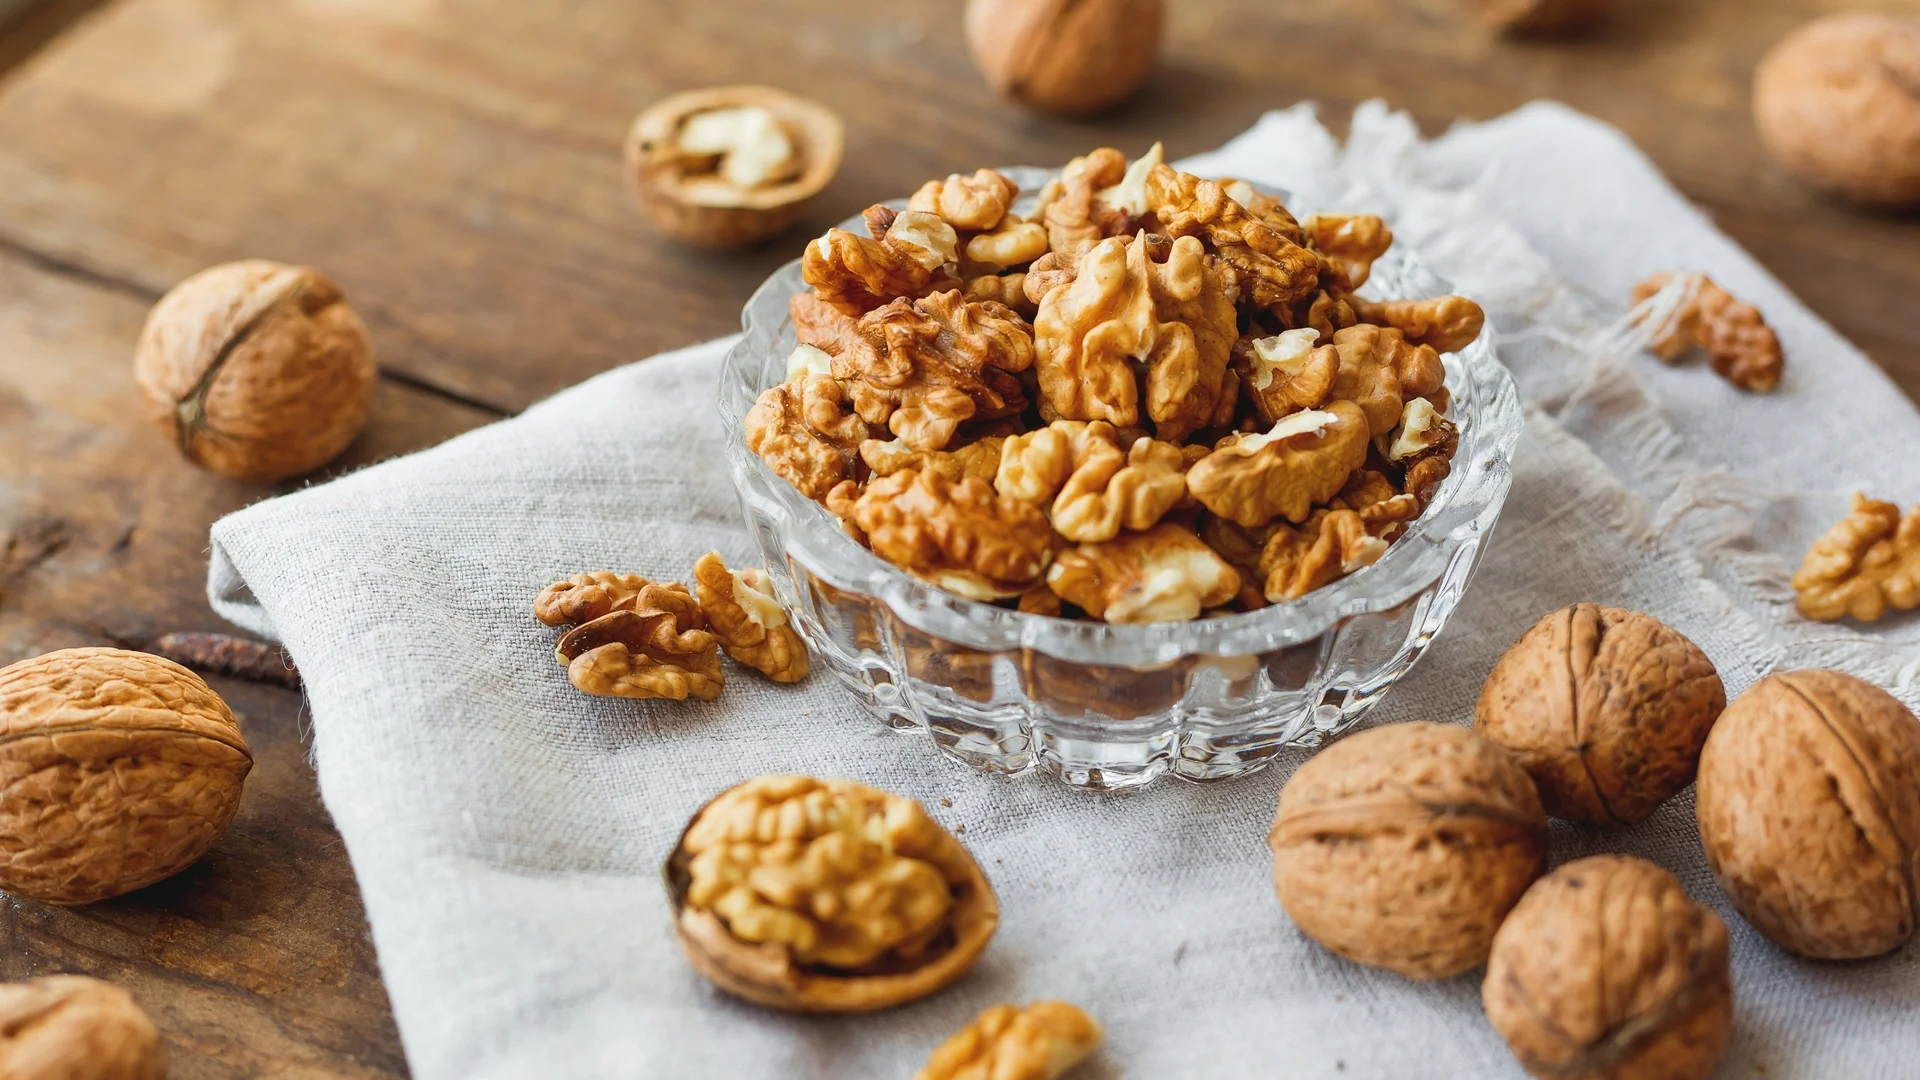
[1838, 102]
[1070, 57]
[70, 1027]
[257, 370]
[1606, 970]
[1606, 710]
[1405, 846]
[1526, 17]
[1809, 810]
[117, 769]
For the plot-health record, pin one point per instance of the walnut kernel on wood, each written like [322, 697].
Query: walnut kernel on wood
[71, 1027]
[119, 768]
[826, 896]
[1736, 338]
[1042, 1041]
[1606, 970]
[1867, 563]
[752, 626]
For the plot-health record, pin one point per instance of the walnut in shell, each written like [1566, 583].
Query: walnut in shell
[1838, 102]
[1405, 845]
[826, 896]
[1070, 57]
[1809, 810]
[70, 1027]
[257, 370]
[1605, 708]
[1607, 971]
[1042, 1041]
[119, 769]
[731, 165]
[752, 626]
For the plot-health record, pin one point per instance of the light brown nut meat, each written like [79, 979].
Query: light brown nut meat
[1324, 310]
[1444, 323]
[1271, 269]
[944, 360]
[981, 458]
[1867, 563]
[1368, 373]
[1284, 373]
[1605, 708]
[1736, 338]
[1009, 290]
[857, 273]
[1165, 574]
[963, 537]
[1075, 217]
[826, 896]
[119, 769]
[660, 651]
[1047, 273]
[1014, 243]
[1197, 326]
[1040, 1042]
[1421, 430]
[1331, 545]
[1088, 332]
[752, 626]
[1809, 810]
[1424, 471]
[1405, 846]
[1269, 210]
[1350, 243]
[799, 430]
[585, 597]
[1303, 460]
[70, 1027]
[1382, 508]
[1607, 969]
[968, 203]
[1095, 489]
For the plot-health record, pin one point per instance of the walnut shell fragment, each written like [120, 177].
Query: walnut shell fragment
[119, 769]
[1042, 1041]
[1809, 811]
[826, 896]
[1606, 970]
[1404, 846]
[71, 1027]
[257, 370]
[752, 626]
[1605, 708]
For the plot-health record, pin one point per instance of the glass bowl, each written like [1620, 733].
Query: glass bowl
[1106, 706]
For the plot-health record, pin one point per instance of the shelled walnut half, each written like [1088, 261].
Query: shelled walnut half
[826, 896]
[1042, 1041]
[1867, 563]
[752, 626]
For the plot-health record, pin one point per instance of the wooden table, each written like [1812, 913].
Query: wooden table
[455, 165]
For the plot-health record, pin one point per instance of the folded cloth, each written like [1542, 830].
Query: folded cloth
[507, 831]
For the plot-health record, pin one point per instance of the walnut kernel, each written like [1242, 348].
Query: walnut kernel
[1867, 563]
[71, 1027]
[1163, 574]
[1738, 342]
[750, 622]
[1042, 1041]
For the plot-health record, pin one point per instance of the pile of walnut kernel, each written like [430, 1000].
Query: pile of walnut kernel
[1155, 397]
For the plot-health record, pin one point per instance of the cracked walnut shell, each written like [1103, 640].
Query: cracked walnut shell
[1736, 338]
[826, 896]
[752, 626]
[119, 769]
[1867, 563]
[257, 370]
[1164, 574]
[1303, 461]
[71, 1027]
[1605, 708]
[1606, 970]
[1809, 811]
[964, 537]
[1042, 1041]
[1405, 846]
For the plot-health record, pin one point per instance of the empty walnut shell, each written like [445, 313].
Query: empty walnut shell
[70, 1027]
[853, 898]
[1405, 846]
[1605, 708]
[257, 370]
[683, 194]
[117, 769]
[1606, 970]
[1809, 810]
[1838, 102]
[1070, 57]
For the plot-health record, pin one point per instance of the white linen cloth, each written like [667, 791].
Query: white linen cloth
[507, 831]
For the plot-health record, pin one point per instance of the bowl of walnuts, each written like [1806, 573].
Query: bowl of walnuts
[1116, 471]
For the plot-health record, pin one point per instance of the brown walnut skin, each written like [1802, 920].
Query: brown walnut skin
[1404, 846]
[1538, 17]
[70, 1027]
[1605, 708]
[117, 769]
[1070, 57]
[1838, 102]
[1809, 810]
[257, 370]
[1606, 970]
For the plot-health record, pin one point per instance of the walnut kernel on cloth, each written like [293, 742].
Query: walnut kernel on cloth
[1867, 563]
[1605, 970]
[1304, 459]
[1809, 810]
[1736, 338]
[826, 896]
[1605, 708]
[653, 643]
[964, 537]
[1405, 846]
[1042, 1041]
[71, 1027]
[752, 626]
[1164, 574]
[119, 769]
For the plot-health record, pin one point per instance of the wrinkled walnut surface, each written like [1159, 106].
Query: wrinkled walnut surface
[1304, 459]
[70, 1027]
[1867, 563]
[1605, 970]
[1071, 57]
[1404, 846]
[1743, 349]
[118, 769]
[1042, 1041]
[1605, 708]
[1809, 809]
[963, 536]
[752, 626]
[635, 638]
[1838, 102]
[1164, 574]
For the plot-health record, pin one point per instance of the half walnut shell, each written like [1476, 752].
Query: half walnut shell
[750, 173]
[918, 948]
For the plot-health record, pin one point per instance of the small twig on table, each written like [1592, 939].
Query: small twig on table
[224, 654]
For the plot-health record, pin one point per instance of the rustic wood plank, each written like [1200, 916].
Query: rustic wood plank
[255, 961]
